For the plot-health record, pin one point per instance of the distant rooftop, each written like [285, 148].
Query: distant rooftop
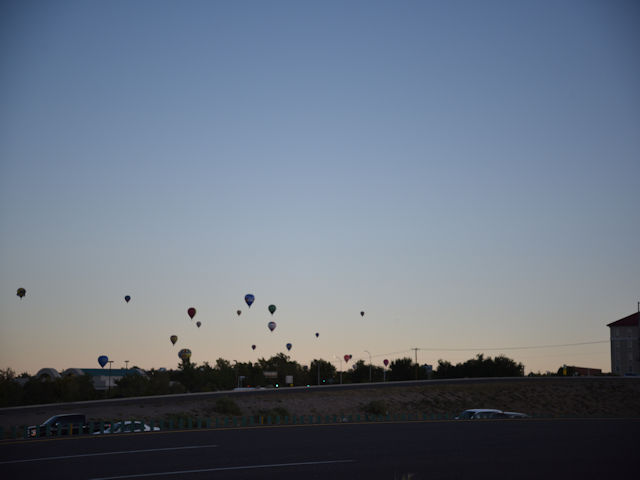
[630, 321]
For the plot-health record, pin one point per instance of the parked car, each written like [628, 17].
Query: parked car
[128, 426]
[516, 415]
[60, 425]
[484, 413]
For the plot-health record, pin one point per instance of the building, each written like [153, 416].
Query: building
[102, 379]
[586, 371]
[625, 345]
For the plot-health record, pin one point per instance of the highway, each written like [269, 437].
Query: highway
[495, 449]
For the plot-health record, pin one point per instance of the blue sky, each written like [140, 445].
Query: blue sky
[464, 172]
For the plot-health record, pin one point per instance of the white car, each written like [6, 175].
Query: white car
[516, 415]
[475, 413]
[127, 427]
[479, 413]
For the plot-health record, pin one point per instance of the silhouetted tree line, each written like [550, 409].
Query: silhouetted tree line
[224, 375]
[479, 366]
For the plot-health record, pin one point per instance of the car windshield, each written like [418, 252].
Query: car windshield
[50, 420]
[466, 414]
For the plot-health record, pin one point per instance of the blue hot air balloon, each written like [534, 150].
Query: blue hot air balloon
[249, 298]
[102, 360]
[288, 346]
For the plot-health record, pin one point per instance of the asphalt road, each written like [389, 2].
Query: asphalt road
[496, 449]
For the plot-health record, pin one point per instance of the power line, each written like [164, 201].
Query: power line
[513, 348]
[392, 353]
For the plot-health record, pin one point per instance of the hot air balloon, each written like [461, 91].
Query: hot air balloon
[21, 292]
[198, 323]
[127, 298]
[272, 326]
[317, 334]
[347, 358]
[239, 312]
[386, 362]
[174, 339]
[192, 312]
[272, 309]
[289, 346]
[249, 298]
[102, 360]
[362, 314]
[253, 347]
[184, 355]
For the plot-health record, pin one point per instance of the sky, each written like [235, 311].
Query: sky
[466, 173]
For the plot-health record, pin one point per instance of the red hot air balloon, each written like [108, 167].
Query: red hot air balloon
[347, 358]
[191, 312]
[386, 362]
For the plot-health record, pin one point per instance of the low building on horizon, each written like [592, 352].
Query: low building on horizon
[102, 379]
[586, 371]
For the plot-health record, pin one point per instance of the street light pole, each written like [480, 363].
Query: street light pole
[366, 351]
[340, 359]
[109, 389]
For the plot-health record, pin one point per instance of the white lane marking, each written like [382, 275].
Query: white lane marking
[220, 469]
[104, 453]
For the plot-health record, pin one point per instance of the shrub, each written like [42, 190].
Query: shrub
[375, 407]
[226, 406]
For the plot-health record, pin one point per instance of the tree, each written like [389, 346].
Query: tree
[283, 364]
[10, 389]
[401, 369]
[132, 385]
[359, 372]
[479, 366]
[327, 372]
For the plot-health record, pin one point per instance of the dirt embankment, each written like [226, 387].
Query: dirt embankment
[605, 397]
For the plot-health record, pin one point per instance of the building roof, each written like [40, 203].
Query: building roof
[48, 372]
[116, 372]
[630, 321]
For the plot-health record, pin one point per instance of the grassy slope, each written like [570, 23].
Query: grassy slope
[608, 397]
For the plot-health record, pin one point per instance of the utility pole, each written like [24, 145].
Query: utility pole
[416, 356]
